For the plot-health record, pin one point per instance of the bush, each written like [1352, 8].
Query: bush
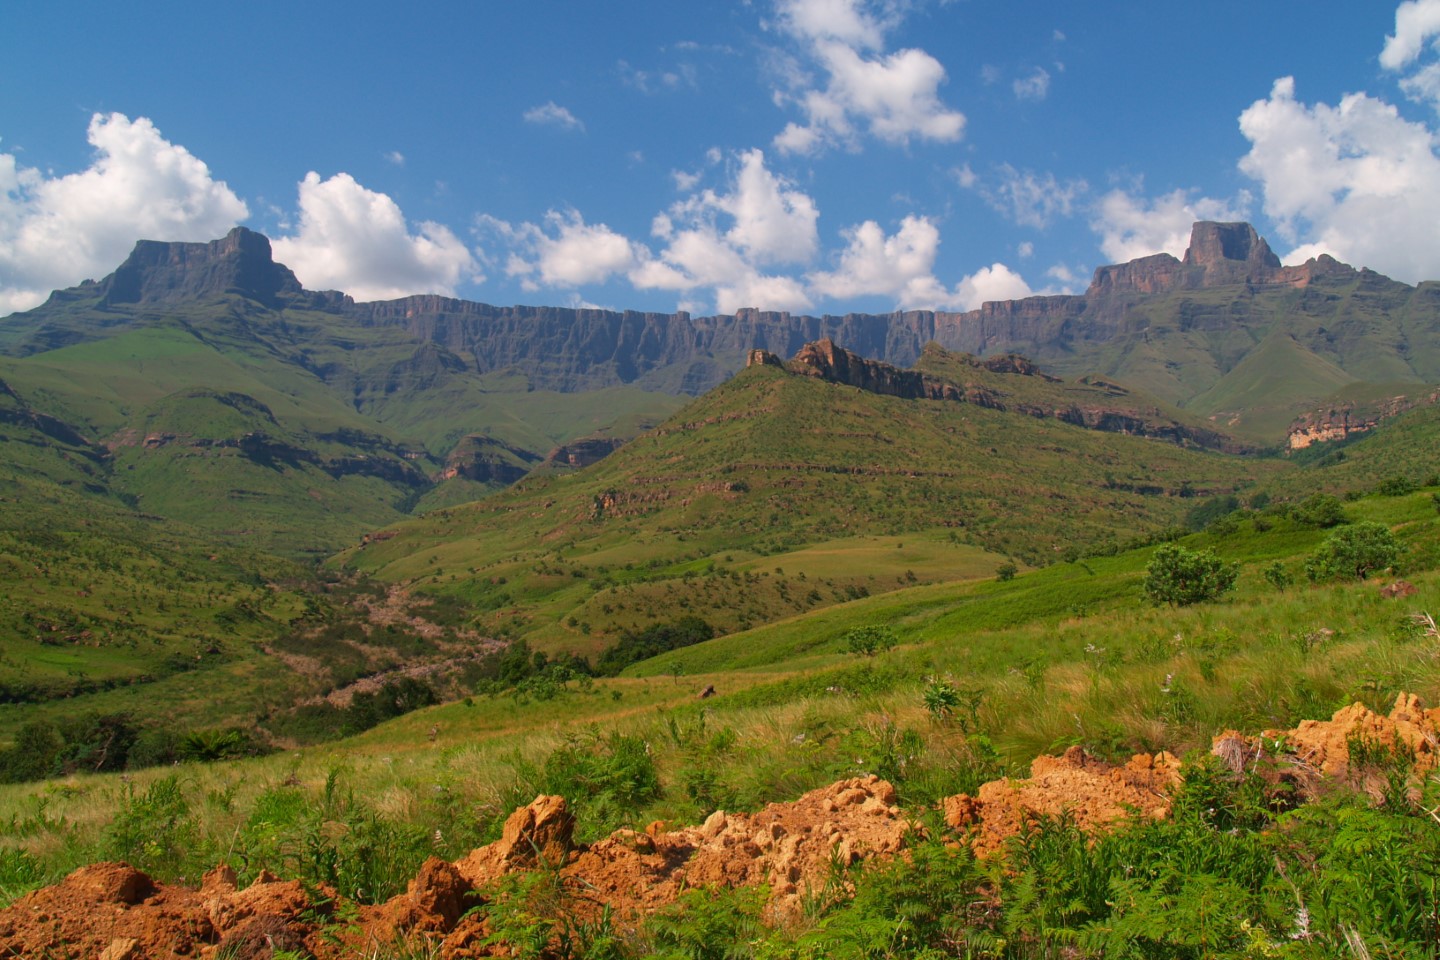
[1320, 510]
[869, 641]
[654, 640]
[1006, 571]
[1180, 577]
[1396, 486]
[1354, 553]
[1277, 576]
[1202, 515]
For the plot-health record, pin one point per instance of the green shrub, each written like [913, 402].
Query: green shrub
[20, 873]
[869, 641]
[1205, 514]
[1006, 571]
[1180, 577]
[210, 745]
[154, 831]
[1354, 553]
[608, 778]
[1277, 576]
[711, 924]
[1396, 486]
[1319, 510]
[651, 642]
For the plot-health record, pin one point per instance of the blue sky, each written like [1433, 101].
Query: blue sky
[810, 155]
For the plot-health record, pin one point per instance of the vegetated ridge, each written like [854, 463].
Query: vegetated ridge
[714, 512]
[813, 853]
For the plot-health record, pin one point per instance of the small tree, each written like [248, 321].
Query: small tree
[1322, 510]
[1277, 576]
[1354, 553]
[870, 640]
[1180, 577]
[1006, 571]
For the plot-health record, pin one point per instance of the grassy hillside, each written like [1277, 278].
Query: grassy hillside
[1254, 358]
[1065, 656]
[771, 466]
[293, 429]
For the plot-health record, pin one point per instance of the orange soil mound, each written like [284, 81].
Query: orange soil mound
[789, 846]
[1325, 743]
[1091, 791]
[1318, 749]
[114, 912]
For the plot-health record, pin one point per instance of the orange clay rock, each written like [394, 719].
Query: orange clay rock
[789, 846]
[114, 910]
[1324, 744]
[538, 833]
[1093, 792]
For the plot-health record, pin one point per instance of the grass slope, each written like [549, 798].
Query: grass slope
[770, 464]
[1254, 357]
[1054, 658]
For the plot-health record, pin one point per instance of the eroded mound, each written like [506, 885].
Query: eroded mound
[1320, 750]
[114, 912]
[1092, 792]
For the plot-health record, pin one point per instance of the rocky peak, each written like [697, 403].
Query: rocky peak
[1220, 254]
[1230, 253]
[239, 263]
[825, 360]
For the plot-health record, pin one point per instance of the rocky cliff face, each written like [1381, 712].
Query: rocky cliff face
[583, 452]
[240, 263]
[486, 460]
[583, 349]
[1339, 422]
[572, 349]
[826, 361]
[578, 349]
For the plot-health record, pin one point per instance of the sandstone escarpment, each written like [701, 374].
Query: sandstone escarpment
[826, 361]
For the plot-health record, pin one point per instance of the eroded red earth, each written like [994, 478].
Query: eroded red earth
[114, 912]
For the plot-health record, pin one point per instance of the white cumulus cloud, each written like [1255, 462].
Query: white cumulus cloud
[902, 266]
[1133, 226]
[551, 114]
[564, 252]
[57, 231]
[745, 243]
[1417, 22]
[1355, 180]
[1032, 199]
[892, 96]
[724, 241]
[356, 240]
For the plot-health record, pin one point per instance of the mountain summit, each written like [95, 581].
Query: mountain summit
[1226, 332]
[241, 262]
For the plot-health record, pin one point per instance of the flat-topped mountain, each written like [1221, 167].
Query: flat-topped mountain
[1226, 332]
[162, 368]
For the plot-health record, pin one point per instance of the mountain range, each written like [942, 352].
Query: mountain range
[571, 476]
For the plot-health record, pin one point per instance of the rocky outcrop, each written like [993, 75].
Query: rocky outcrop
[1094, 793]
[1339, 422]
[484, 459]
[583, 452]
[239, 263]
[826, 361]
[823, 359]
[14, 409]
